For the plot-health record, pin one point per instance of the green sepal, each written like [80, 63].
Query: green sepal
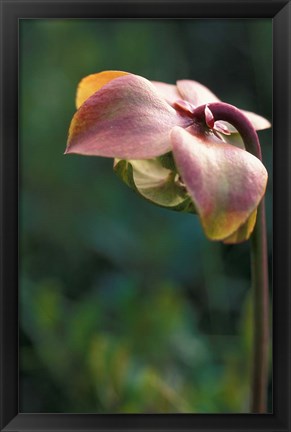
[167, 161]
[157, 184]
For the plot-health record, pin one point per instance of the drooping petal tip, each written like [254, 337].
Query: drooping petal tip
[68, 150]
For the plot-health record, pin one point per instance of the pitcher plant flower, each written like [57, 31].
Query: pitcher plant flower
[180, 147]
[169, 145]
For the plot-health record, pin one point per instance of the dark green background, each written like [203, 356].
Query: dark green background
[127, 307]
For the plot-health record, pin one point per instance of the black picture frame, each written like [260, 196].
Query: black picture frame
[280, 12]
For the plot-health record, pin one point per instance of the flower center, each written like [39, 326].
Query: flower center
[217, 127]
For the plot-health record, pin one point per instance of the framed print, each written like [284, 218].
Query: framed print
[145, 235]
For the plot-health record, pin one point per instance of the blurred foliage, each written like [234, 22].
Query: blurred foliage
[125, 306]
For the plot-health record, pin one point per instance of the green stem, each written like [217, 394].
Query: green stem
[259, 264]
[261, 313]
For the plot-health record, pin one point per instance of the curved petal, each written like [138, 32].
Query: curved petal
[91, 83]
[169, 92]
[225, 182]
[195, 93]
[125, 119]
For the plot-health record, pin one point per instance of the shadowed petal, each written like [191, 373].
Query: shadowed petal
[91, 83]
[168, 92]
[225, 182]
[125, 119]
[196, 93]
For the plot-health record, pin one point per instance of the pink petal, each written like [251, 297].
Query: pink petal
[196, 93]
[225, 182]
[126, 119]
[168, 92]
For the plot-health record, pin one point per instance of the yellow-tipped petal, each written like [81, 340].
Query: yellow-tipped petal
[125, 119]
[92, 83]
